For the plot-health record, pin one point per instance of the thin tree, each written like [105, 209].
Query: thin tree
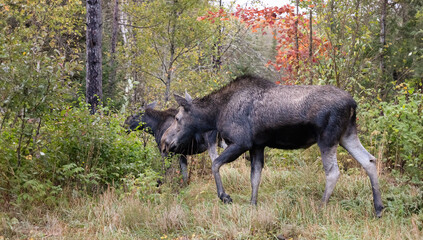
[382, 40]
[112, 63]
[94, 92]
[217, 56]
[310, 51]
[297, 46]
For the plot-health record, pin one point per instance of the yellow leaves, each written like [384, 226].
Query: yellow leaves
[6, 7]
[375, 133]
[29, 157]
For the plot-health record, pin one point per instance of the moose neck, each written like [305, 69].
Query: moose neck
[208, 110]
[155, 120]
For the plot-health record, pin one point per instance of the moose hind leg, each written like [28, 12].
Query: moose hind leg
[353, 145]
[257, 162]
[331, 168]
[213, 151]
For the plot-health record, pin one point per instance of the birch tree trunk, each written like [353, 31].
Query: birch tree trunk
[124, 22]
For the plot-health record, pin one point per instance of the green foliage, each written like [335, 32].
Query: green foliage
[78, 150]
[144, 185]
[399, 126]
[169, 35]
[400, 203]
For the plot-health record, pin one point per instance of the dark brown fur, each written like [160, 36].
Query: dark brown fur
[252, 113]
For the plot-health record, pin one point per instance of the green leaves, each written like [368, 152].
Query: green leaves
[399, 125]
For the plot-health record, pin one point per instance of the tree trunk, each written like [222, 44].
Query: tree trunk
[112, 63]
[310, 50]
[217, 62]
[297, 46]
[169, 69]
[94, 92]
[18, 150]
[172, 46]
[126, 33]
[382, 40]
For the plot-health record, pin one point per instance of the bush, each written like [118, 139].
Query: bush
[397, 129]
[73, 150]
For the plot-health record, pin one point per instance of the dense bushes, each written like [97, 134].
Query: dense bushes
[73, 150]
[395, 128]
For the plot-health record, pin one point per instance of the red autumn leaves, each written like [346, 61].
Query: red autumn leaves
[282, 23]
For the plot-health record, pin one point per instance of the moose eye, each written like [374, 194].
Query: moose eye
[177, 119]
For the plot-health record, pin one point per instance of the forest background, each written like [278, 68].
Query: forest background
[65, 172]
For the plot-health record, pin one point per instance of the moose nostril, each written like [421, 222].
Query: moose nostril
[164, 145]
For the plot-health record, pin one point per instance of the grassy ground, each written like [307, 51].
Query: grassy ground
[288, 206]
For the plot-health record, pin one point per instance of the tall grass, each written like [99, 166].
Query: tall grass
[288, 205]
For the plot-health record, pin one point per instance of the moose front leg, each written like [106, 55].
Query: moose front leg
[183, 164]
[231, 153]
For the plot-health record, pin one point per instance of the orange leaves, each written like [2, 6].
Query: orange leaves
[201, 18]
[211, 16]
[287, 26]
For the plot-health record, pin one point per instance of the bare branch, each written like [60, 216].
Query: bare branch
[138, 27]
[148, 73]
[158, 54]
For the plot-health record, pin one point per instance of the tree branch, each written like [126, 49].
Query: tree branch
[138, 27]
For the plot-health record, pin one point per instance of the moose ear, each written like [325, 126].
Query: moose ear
[184, 102]
[151, 105]
[187, 96]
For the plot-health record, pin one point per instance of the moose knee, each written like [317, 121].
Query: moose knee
[215, 168]
[370, 167]
[333, 175]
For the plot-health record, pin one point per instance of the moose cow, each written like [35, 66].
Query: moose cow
[156, 123]
[252, 113]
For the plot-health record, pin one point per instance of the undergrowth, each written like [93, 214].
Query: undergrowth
[288, 206]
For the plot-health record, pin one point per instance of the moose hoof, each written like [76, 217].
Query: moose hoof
[379, 211]
[225, 198]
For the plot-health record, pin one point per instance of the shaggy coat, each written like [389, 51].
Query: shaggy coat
[252, 113]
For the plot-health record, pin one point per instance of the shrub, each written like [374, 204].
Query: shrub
[396, 127]
[74, 150]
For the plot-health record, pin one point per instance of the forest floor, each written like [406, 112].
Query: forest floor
[288, 208]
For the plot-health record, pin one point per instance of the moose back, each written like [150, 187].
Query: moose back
[252, 113]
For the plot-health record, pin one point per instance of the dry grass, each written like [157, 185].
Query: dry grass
[288, 205]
